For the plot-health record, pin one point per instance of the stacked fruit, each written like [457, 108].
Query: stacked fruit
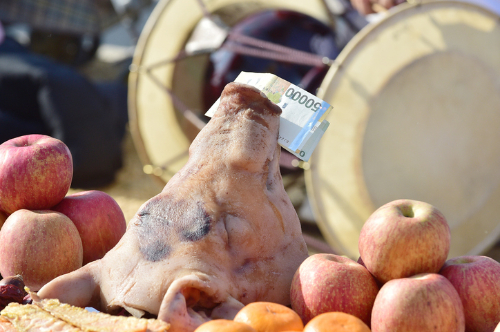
[273, 317]
[45, 232]
[403, 280]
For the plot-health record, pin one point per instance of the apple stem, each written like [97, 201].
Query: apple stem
[407, 211]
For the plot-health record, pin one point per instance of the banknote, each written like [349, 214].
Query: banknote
[302, 121]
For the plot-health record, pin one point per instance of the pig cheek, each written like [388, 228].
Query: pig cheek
[241, 235]
[195, 225]
[157, 234]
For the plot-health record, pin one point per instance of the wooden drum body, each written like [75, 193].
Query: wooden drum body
[161, 135]
[416, 115]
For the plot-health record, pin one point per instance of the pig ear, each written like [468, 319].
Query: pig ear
[190, 300]
[227, 309]
[195, 299]
[174, 310]
[78, 288]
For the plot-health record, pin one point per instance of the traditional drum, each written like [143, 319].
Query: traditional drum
[416, 115]
[168, 75]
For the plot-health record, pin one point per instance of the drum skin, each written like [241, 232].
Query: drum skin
[416, 115]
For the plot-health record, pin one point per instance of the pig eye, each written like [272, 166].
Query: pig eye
[196, 225]
[153, 235]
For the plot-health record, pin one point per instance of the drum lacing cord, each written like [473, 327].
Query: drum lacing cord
[247, 45]
[259, 48]
[178, 103]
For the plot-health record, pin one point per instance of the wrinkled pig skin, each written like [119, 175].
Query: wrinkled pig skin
[221, 234]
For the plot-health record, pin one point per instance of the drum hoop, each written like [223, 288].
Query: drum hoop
[133, 82]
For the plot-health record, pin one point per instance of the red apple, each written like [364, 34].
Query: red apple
[424, 302]
[39, 246]
[477, 281]
[98, 218]
[35, 173]
[403, 238]
[327, 282]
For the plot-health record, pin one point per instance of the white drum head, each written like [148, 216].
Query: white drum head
[416, 115]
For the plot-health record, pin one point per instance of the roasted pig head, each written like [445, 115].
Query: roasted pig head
[221, 234]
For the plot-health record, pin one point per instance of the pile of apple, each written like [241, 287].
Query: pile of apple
[403, 280]
[44, 231]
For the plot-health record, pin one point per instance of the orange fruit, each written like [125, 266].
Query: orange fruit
[336, 321]
[269, 317]
[224, 325]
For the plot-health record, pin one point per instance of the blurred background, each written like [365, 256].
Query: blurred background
[125, 84]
